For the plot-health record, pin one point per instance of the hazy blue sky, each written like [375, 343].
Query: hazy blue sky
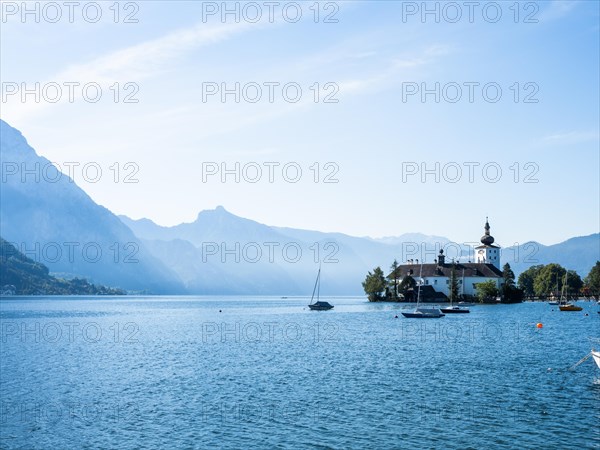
[374, 56]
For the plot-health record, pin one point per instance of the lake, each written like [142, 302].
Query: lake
[246, 372]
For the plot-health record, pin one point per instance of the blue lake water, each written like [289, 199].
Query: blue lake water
[174, 372]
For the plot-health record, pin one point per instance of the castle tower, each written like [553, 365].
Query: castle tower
[487, 253]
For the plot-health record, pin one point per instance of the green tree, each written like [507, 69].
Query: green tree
[510, 292]
[592, 281]
[394, 269]
[486, 290]
[548, 279]
[374, 285]
[527, 278]
[407, 286]
[574, 282]
[453, 288]
[508, 275]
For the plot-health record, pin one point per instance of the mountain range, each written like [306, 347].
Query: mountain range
[50, 219]
[219, 252]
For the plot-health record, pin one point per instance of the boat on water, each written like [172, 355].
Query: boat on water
[596, 356]
[570, 307]
[466, 304]
[318, 305]
[554, 297]
[421, 312]
[454, 309]
[564, 304]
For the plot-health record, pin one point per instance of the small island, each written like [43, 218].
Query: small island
[481, 281]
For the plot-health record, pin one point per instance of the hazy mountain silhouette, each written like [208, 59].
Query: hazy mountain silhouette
[45, 215]
[187, 249]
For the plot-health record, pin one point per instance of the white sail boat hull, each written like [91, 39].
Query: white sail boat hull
[596, 356]
[421, 312]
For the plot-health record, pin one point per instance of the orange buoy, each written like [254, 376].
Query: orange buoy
[539, 325]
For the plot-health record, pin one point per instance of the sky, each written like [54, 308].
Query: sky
[371, 118]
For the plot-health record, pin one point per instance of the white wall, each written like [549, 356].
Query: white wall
[491, 255]
[442, 286]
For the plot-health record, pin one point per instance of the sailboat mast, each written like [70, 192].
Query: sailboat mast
[317, 287]
[319, 284]
[420, 282]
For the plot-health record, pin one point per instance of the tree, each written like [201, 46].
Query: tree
[592, 281]
[548, 279]
[486, 290]
[510, 292]
[574, 282]
[394, 269]
[374, 285]
[527, 278]
[508, 275]
[407, 286]
[407, 282]
[453, 288]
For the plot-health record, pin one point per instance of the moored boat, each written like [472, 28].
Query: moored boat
[570, 307]
[564, 304]
[453, 309]
[596, 356]
[318, 305]
[424, 313]
[420, 312]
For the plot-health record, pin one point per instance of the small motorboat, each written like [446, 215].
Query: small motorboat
[455, 310]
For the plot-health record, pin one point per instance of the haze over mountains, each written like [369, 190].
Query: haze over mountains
[53, 221]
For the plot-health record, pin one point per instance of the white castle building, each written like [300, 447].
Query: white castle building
[437, 275]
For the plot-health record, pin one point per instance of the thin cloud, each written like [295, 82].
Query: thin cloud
[137, 62]
[571, 137]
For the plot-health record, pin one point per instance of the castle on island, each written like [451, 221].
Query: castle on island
[435, 277]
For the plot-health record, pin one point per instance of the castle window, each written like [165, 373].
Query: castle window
[434, 281]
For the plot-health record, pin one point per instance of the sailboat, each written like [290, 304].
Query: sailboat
[595, 354]
[423, 313]
[564, 304]
[454, 309]
[318, 305]
[554, 302]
